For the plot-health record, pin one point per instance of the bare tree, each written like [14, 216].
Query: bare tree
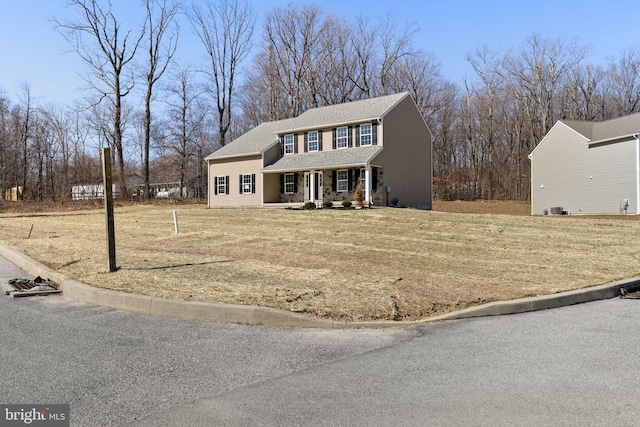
[364, 42]
[186, 117]
[624, 80]
[97, 38]
[395, 46]
[25, 135]
[225, 28]
[162, 43]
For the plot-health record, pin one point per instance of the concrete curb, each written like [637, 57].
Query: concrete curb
[257, 315]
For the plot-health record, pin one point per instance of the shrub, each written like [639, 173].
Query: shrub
[310, 205]
[346, 203]
[358, 195]
[328, 204]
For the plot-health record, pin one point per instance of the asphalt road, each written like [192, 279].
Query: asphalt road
[573, 366]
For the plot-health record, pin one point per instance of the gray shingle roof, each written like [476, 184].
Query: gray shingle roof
[345, 157]
[341, 114]
[255, 141]
[258, 139]
[598, 131]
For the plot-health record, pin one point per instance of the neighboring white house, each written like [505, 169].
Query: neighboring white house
[587, 168]
[91, 191]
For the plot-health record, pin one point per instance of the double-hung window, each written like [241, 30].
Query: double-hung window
[312, 139]
[342, 137]
[247, 182]
[289, 142]
[365, 134]
[289, 183]
[221, 185]
[342, 180]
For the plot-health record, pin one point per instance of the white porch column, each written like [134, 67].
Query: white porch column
[367, 180]
[312, 186]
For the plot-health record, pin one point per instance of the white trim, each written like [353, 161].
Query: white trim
[614, 139]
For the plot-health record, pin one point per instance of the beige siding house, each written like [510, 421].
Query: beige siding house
[321, 155]
[587, 168]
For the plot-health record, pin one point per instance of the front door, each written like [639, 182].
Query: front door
[317, 186]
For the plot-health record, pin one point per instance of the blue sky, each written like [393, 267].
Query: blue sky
[33, 52]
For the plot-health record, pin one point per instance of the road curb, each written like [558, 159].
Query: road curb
[258, 315]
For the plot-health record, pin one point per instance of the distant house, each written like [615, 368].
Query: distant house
[92, 191]
[321, 155]
[587, 168]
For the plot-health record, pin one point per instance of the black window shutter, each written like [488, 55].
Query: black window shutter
[350, 175]
[253, 183]
[334, 138]
[334, 185]
[226, 189]
[295, 182]
[241, 185]
[306, 142]
[358, 136]
[374, 133]
[295, 143]
[215, 185]
[357, 173]
[374, 179]
[319, 140]
[349, 137]
[282, 145]
[281, 183]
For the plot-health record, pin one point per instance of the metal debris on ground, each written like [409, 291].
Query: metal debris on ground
[630, 294]
[28, 287]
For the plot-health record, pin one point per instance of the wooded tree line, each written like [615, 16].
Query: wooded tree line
[161, 117]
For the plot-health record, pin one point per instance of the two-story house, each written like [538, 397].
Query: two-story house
[383, 143]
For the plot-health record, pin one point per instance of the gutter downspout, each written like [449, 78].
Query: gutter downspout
[208, 186]
[638, 174]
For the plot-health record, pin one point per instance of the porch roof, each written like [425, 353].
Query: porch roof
[346, 157]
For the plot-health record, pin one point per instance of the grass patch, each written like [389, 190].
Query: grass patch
[351, 265]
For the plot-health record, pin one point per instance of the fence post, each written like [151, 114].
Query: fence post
[108, 204]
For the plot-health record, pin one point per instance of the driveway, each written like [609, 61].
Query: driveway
[570, 366]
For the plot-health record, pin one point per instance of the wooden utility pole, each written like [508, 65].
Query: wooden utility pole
[108, 205]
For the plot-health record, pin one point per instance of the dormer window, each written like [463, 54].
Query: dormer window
[365, 134]
[289, 144]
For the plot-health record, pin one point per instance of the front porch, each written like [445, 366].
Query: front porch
[294, 189]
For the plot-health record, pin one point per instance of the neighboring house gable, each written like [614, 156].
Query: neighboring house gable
[322, 154]
[587, 168]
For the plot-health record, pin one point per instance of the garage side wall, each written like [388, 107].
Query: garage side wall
[567, 173]
[406, 158]
[233, 168]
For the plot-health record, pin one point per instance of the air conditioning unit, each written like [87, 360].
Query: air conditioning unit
[557, 211]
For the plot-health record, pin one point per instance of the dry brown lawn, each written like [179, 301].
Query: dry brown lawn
[350, 265]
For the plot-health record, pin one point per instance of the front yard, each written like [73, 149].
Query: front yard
[350, 265]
